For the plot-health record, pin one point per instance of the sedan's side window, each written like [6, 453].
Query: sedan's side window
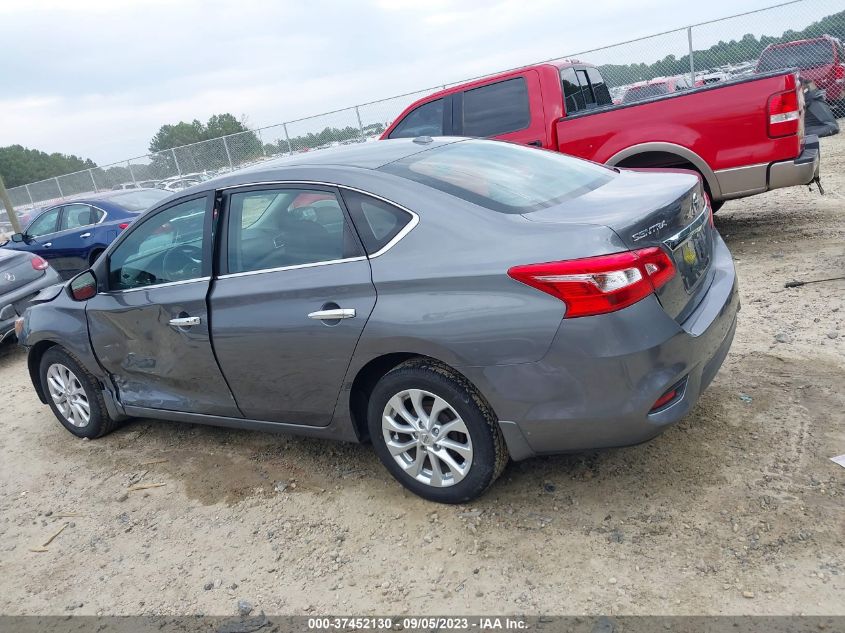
[44, 224]
[277, 228]
[77, 215]
[378, 222]
[166, 248]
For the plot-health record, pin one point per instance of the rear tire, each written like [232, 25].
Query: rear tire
[74, 395]
[452, 457]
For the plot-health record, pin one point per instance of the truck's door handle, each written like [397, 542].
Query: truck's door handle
[537, 143]
[85, 235]
[185, 321]
[332, 315]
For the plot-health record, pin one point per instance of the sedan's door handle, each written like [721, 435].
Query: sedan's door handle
[332, 315]
[48, 244]
[85, 235]
[185, 321]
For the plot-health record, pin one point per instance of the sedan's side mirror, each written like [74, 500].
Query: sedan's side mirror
[17, 237]
[83, 286]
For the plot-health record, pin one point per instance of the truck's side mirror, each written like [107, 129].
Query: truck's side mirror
[17, 237]
[83, 286]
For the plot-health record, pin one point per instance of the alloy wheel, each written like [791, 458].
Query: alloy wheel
[427, 438]
[68, 395]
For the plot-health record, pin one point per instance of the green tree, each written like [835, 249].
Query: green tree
[20, 165]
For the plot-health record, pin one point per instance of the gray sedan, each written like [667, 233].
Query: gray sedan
[455, 302]
[22, 277]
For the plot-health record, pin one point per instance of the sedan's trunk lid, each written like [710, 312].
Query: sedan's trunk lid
[646, 209]
[15, 271]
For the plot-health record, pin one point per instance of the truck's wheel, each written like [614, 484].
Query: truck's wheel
[434, 433]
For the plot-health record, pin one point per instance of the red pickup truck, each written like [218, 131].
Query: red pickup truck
[744, 137]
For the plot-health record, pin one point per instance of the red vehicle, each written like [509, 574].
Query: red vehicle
[655, 87]
[744, 137]
[820, 60]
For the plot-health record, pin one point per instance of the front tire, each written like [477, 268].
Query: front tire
[74, 395]
[434, 432]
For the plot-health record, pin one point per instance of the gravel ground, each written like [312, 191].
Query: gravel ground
[737, 510]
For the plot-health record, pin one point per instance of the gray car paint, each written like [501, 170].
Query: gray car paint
[442, 291]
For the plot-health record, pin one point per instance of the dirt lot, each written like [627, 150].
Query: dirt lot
[737, 510]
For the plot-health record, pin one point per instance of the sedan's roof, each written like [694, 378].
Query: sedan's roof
[371, 155]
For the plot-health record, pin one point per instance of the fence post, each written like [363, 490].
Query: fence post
[228, 155]
[10, 210]
[131, 173]
[29, 193]
[691, 62]
[61, 195]
[287, 138]
[178, 171]
[261, 140]
[360, 126]
[93, 182]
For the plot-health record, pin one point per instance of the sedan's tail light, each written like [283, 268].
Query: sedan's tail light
[39, 263]
[597, 285]
[784, 114]
[123, 225]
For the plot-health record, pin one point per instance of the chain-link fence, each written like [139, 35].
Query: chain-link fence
[711, 52]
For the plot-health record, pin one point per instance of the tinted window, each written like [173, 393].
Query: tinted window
[77, 215]
[167, 247]
[286, 227]
[600, 90]
[377, 221]
[502, 176]
[584, 82]
[426, 120]
[805, 55]
[44, 224]
[139, 200]
[572, 90]
[497, 108]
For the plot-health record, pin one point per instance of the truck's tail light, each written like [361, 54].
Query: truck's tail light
[839, 74]
[597, 285]
[39, 263]
[784, 114]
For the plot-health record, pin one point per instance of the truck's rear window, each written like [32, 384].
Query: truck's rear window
[804, 55]
[503, 177]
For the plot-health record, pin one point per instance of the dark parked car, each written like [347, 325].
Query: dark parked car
[71, 235]
[22, 276]
[454, 301]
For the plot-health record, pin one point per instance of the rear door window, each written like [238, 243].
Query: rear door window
[496, 108]
[426, 120]
[75, 216]
[584, 88]
[278, 228]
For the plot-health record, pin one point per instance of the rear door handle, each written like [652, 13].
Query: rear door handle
[185, 321]
[48, 244]
[85, 235]
[536, 143]
[331, 315]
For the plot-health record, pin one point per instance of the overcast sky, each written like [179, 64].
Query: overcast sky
[97, 78]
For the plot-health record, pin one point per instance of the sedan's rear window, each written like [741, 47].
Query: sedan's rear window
[504, 177]
[139, 200]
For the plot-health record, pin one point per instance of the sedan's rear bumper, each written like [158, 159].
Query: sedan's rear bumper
[14, 303]
[597, 385]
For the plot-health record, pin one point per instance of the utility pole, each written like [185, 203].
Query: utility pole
[10, 210]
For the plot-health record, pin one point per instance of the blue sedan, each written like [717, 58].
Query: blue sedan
[71, 235]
